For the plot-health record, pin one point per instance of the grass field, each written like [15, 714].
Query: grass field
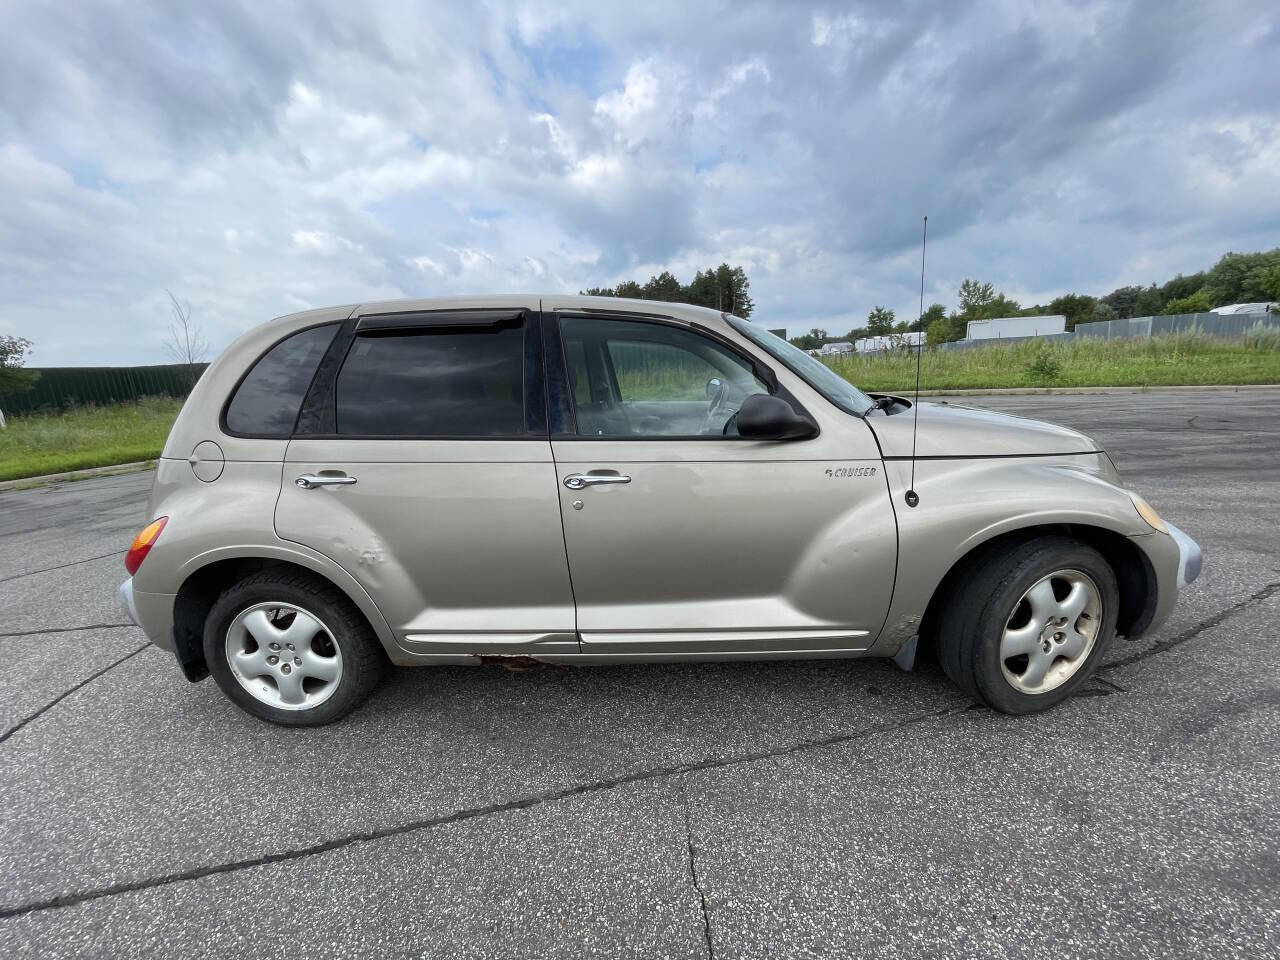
[1180, 359]
[100, 436]
[35, 445]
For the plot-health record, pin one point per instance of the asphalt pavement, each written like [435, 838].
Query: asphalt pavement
[811, 809]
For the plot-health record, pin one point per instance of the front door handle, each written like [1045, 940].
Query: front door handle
[309, 481]
[578, 481]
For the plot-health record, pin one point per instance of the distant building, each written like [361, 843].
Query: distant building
[1238, 308]
[827, 349]
[890, 342]
[1015, 327]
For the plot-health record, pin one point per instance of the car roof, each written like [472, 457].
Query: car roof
[548, 301]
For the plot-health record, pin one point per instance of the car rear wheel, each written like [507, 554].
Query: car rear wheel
[1030, 625]
[291, 650]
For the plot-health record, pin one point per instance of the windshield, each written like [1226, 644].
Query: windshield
[809, 369]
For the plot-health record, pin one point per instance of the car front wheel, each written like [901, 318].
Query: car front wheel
[291, 650]
[1030, 625]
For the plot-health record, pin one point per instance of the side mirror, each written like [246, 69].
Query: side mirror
[714, 386]
[764, 417]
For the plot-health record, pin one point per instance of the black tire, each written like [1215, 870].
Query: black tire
[363, 659]
[973, 619]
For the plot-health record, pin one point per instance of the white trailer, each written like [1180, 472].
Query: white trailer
[1015, 327]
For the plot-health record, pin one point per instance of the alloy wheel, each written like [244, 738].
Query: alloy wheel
[283, 656]
[1051, 631]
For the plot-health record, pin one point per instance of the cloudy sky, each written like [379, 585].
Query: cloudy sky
[258, 158]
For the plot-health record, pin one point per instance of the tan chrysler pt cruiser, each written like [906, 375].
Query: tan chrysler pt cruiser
[577, 480]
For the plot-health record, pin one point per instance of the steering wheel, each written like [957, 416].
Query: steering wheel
[717, 405]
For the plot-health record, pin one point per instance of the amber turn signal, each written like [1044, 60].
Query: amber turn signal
[1148, 513]
[142, 544]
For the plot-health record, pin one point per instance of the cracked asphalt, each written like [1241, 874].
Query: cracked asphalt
[805, 809]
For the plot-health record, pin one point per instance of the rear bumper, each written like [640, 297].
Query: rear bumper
[153, 612]
[125, 597]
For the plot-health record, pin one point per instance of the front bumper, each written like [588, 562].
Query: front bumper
[1190, 556]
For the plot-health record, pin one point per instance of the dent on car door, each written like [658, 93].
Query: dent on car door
[682, 537]
[450, 524]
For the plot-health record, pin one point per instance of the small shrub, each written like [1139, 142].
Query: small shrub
[1044, 368]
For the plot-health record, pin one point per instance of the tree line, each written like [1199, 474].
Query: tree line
[1235, 278]
[720, 288]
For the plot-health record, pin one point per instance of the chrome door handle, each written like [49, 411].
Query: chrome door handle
[309, 481]
[577, 481]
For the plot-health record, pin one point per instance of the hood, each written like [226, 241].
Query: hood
[952, 430]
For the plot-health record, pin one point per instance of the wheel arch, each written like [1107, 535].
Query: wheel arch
[1135, 576]
[205, 578]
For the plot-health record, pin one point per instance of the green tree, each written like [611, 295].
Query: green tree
[1101, 312]
[1001, 306]
[1148, 303]
[1197, 302]
[879, 322]
[938, 331]
[1270, 283]
[1122, 300]
[662, 287]
[1076, 307]
[936, 311]
[811, 340]
[1240, 277]
[1182, 286]
[722, 288]
[13, 354]
[974, 297]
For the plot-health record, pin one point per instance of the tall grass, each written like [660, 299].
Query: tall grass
[1175, 359]
[41, 443]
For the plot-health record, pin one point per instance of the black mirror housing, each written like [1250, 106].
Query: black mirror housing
[765, 417]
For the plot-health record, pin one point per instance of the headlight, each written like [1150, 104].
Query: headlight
[1148, 513]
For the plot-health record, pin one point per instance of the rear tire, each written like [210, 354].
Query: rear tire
[1030, 624]
[291, 649]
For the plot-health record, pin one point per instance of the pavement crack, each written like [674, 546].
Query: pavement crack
[459, 816]
[1191, 633]
[693, 866]
[62, 696]
[87, 626]
[61, 566]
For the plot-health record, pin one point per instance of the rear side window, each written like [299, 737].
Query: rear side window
[266, 402]
[434, 383]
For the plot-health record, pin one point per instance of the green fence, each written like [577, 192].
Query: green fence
[61, 387]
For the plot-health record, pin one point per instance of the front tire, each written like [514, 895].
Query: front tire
[1030, 625]
[291, 650]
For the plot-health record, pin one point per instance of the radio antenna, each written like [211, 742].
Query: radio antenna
[912, 497]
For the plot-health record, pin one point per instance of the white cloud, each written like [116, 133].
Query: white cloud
[368, 153]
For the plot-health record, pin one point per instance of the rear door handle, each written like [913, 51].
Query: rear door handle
[309, 481]
[578, 481]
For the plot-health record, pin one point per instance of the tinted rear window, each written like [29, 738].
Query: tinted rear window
[266, 402]
[447, 383]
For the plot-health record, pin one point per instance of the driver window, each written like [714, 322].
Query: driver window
[635, 379]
